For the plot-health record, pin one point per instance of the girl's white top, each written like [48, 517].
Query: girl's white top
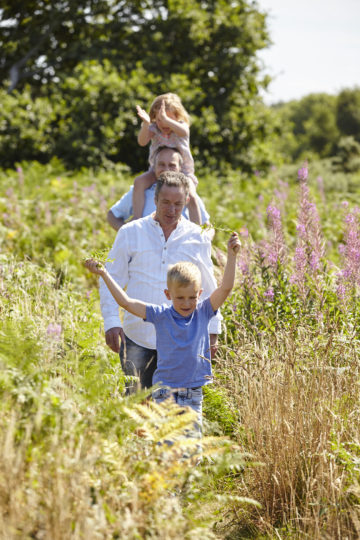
[173, 141]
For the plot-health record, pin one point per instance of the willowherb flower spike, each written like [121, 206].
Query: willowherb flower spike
[349, 276]
[303, 172]
[275, 250]
[310, 247]
[269, 294]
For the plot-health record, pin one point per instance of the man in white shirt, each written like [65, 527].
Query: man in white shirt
[142, 251]
[166, 159]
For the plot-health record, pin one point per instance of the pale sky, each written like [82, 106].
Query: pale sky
[316, 47]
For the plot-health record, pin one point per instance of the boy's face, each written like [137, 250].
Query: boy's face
[184, 297]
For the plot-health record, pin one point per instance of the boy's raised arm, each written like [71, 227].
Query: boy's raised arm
[220, 294]
[136, 307]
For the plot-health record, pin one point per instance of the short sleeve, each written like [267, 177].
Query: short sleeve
[123, 207]
[206, 308]
[154, 312]
[153, 130]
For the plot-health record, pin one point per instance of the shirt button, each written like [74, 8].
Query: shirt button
[164, 248]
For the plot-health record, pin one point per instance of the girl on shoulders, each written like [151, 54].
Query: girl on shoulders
[168, 124]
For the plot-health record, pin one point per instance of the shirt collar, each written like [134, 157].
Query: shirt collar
[179, 223]
[177, 315]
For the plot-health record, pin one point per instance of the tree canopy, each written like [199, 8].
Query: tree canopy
[323, 126]
[204, 50]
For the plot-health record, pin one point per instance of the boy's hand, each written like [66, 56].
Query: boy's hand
[94, 266]
[234, 243]
[143, 114]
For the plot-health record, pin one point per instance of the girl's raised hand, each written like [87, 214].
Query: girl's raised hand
[234, 243]
[161, 115]
[94, 266]
[143, 114]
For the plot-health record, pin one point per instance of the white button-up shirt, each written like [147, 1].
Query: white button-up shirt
[140, 259]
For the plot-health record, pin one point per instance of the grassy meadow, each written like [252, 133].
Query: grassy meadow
[281, 448]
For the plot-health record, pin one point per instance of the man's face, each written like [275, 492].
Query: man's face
[167, 160]
[169, 205]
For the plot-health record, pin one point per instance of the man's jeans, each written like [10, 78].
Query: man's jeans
[139, 362]
[184, 397]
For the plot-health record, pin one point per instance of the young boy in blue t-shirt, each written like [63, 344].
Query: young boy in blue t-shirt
[182, 335]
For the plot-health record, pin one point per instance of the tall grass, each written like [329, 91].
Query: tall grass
[80, 460]
[297, 396]
[290, 365]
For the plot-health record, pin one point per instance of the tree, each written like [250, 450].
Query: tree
[348, 113]
[203, 50]
[312, 121]
[43, 40]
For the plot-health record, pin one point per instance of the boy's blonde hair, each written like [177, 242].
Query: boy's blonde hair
[184, 273]
[172, 104]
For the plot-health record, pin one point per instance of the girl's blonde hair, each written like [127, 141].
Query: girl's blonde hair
[172, 104]
[184, 273]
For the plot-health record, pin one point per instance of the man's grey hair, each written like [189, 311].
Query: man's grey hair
[176, 150]
[172, 179]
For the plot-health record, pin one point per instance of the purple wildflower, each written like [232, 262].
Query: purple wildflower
[310, 245]
[244, 262]
[283, 192]
[301, 230]
[275, 249]
[303, 173]
[243, 265]
[54, 331]
[314, 261]
[269, 294]
[349, 277]
[89, 189]
[349, 218]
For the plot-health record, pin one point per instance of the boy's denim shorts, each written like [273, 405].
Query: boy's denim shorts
[184, 397]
